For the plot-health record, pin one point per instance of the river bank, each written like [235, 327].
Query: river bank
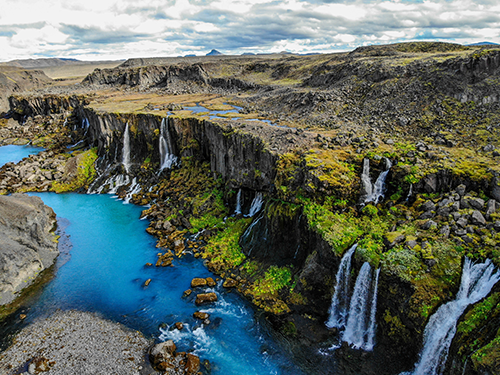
[79, 343]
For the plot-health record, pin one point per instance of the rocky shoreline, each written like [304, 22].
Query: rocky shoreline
[75, 342]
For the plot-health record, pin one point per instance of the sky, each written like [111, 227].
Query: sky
[114, 30]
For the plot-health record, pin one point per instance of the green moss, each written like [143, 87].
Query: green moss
[488, 357]
[85, 174]
[479, 314]
[223, 249]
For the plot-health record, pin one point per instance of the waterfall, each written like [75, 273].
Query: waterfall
[360, 327]
[167, 157]
[340, 299]
[410, 192]
[135, 188]
[249, 230]
[237, 211]
[377, 190]
[126, 149]
[257, 202]
[372, 326]
[357, 313]
[476, 283]
[365, 178]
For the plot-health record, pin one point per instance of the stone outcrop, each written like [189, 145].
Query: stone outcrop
[167, 360]
[28, 244]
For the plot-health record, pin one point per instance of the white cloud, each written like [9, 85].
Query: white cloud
[120, 29]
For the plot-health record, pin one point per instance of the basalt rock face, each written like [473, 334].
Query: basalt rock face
[241, 158]
[27, 242]
[150, 76]
[23, 107]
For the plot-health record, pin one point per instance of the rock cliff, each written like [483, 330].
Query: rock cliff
[28, 244]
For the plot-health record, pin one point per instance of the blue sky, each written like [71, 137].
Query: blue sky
[111, 29]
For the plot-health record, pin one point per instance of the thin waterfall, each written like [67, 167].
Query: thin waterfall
[126, 149]
[365, 178]
[476, 283]
[372, 327]
[360, 327]
[167, 157]
[256, 205]
[340, 299]
[377, 190]
[237, 211]
[249, 230]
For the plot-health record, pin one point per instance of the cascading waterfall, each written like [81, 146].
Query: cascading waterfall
[476, 283]
[126, 149]
[256, 205]
[377, 190]
[360, 327]
[237, 211]
[355, 314]
[340, 299]
[168, 159]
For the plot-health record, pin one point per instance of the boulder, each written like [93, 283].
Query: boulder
[477, 218]
[201, 315]
[491, 207]
[192, 364]
[203, 298]
[198, 282]
[162, 352]
[28, 244]
[210, 282]
[230, 283]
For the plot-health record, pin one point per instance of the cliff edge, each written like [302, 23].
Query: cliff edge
[28, 244]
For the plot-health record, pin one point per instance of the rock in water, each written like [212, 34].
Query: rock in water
[28, 244]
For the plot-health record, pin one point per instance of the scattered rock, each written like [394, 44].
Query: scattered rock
[198, 282]
[210, 282]
[201, 315]
[203, 298]
[230, 283]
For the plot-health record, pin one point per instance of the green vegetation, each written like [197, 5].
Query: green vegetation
[84, 174]
[223, 249]
[265, 290]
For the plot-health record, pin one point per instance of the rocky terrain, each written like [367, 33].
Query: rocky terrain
[76, 342]
[15, 80]
[429, 111]
[28, 244]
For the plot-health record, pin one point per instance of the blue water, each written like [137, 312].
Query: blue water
[14, 154]
[102, 269]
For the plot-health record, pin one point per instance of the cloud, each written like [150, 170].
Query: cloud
[135, 28]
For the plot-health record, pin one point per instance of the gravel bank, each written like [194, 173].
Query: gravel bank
[74, 342]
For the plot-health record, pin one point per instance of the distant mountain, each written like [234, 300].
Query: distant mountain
[214, 52]
[483, 44]
[41, 63]
[47, 63]
[192, 55]
[248, 54]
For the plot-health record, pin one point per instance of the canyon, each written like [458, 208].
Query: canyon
[270, 168]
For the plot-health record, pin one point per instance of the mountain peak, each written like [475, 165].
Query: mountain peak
[214, 52]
